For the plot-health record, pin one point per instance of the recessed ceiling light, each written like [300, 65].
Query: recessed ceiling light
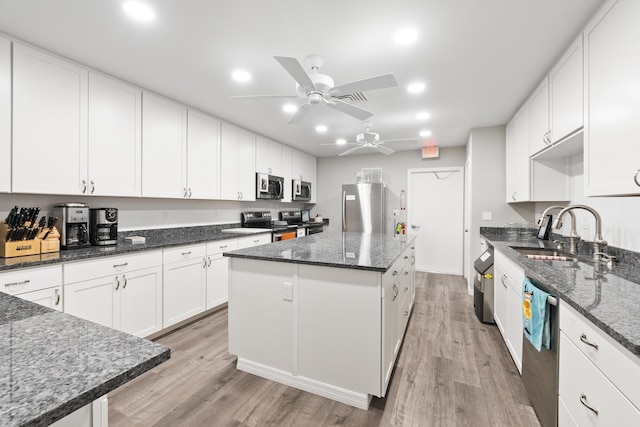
[321, 128]
[423, 115]
[405, 36]
[241, 76]
[425, 133]
[139, 11]
[341, 141]
[290, 108]
[416, 87]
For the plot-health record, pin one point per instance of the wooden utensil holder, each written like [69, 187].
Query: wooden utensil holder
[51, 243]
[17, 248]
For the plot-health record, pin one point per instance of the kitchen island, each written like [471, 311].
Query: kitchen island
[324, 313]
[58, 367]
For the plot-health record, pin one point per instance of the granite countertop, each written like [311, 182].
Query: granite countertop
[52, 364]
[608, 298]
[358, 251]
[154, 239]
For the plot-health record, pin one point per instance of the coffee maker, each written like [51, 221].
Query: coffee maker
[103, 226]
[73, 225]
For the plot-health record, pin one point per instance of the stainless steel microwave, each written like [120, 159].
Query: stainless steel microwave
[269, 186]
[301, 191]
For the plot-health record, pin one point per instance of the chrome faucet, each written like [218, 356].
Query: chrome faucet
[598, 241]
[573, 237]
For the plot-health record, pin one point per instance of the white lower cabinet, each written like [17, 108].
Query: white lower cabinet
[184, 290]
[218, 271]
[508, 280]
[597, 377]
[129, 299]
[42, 285]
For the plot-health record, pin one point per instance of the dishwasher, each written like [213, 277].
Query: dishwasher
[540, 369]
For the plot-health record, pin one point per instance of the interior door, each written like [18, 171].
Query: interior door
[435, 214]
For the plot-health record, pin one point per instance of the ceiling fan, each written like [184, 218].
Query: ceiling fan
[368, 139]
[317, 88]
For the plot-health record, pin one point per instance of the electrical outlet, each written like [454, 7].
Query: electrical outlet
[287, 291]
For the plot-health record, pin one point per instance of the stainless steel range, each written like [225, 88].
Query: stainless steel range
[280, 230]
[300, 218]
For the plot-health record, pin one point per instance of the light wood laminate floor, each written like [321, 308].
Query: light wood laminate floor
[452, 371]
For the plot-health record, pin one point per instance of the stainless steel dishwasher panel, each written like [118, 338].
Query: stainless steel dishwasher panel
[540, 373]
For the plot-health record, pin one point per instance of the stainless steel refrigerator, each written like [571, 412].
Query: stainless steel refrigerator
[364, 208]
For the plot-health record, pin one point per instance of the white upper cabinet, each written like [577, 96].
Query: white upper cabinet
[268, 156]
[517, 156]
[566, 89]
[203, 153]
[539, 117]
[49, 124]
[164, 148]
[237, 163]
[5, 115]
[115, 137]
[612, 100]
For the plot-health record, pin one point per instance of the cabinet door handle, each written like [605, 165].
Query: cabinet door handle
[406, 289]
[186, 253]
[93, 187]
[584, 339]
[406, 273]
[117, 282]
[395, 272]
[24, 282]
[57, 292]
[583, 400]
[635, 178]
[502, 280]
[189, 192]
[204, 262]
[395, 288]
[513, 196]
[125, 281]
[184, 192]
[209, 261]
[84, 186]
[406, 313]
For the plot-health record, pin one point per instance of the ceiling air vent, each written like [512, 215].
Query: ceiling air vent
[353, 97]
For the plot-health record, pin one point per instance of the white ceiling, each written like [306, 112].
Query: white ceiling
[479, 59]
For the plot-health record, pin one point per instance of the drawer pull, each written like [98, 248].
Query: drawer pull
[583, 400]
[584, 339]
[57, 297]
[24, 282]
[406, 257]
[406, 273]
[395, 272]
[223, 246]
[186, 253]
[120, 265]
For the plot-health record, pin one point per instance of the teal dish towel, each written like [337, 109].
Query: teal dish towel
[535, 315]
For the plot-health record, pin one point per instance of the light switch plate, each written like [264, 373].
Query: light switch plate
[287, 291]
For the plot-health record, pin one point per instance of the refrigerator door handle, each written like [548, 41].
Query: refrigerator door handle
[344, 210]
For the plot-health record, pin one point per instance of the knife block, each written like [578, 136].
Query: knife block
[18, 248]
[51, 243]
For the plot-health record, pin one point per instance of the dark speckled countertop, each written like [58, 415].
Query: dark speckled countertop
[154, 239]
[609, 299]
[356, 251]
[52, 364]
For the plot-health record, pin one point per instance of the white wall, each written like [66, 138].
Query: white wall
[137, 214]
[486, 154]
[620, 215]
[335, 171]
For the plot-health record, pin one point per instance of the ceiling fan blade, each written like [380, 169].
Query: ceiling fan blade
[295, 69]
[349, 109]
[398, 140]
[350, 150]
[336, 144]
[383, 149]
[264, 96]
[372, 83]
[299, 115]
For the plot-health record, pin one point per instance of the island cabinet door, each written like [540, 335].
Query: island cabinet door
[339, 327]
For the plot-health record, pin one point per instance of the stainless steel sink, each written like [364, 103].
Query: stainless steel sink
[543, 252]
